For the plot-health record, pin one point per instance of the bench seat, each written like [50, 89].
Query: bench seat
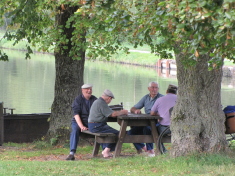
[100, 138]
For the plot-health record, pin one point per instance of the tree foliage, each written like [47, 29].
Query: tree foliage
[202, 27]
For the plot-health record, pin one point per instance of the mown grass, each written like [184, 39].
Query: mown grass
[16, 161]
[135, 58]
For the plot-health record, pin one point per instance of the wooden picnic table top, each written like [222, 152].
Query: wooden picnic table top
[138, 116]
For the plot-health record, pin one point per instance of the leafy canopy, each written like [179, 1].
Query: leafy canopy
[201, 27]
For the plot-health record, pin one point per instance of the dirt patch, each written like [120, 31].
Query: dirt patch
[51, 157]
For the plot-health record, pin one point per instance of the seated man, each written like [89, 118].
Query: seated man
[81, 109]
[162, 108]
[147, 102]
[100, 111]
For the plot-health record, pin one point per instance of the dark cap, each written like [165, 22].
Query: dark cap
[108, 93]
[172, 87]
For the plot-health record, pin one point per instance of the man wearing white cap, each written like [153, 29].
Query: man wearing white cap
[81, 110]
[100, 111]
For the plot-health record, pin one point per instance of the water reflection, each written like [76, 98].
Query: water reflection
[28, 85]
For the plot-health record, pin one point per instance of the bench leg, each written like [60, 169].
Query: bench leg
[96, 149]
[155, 134]
[122, 134]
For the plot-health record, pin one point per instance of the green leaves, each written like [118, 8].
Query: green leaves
[3, 56]
[102, 26]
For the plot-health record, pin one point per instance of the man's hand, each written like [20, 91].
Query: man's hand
[125, 112]
[118, 113]
[83, 128]
[137, 111]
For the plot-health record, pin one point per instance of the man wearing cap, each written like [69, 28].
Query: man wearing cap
[147, 102]
[97, 121]
[162, 108]
[81, 109]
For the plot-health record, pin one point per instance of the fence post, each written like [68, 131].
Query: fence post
[1, 124]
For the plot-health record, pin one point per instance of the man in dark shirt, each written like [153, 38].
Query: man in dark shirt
[81, 110]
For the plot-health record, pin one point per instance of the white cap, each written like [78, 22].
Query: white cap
[85, 86]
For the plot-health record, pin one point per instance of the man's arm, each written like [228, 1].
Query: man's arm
[79, 122]
[118, 113]
[154, 113]
[135, 111]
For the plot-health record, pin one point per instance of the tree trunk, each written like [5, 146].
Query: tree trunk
[197, 122]
[68, 81]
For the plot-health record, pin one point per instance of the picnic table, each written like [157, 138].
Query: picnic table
[136, 120]
[124, 121]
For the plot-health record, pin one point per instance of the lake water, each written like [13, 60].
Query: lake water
[28, 85]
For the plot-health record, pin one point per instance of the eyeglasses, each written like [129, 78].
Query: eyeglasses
[154, 87]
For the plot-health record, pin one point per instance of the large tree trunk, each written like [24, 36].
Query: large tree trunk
[197, 122]
[69, 78]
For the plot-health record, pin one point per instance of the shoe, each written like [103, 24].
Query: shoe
[151, 155]
[70, 157]
[147, 154]
[141, 150]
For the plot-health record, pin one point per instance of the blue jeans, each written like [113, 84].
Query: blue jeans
[139, 130]
[74, 137]
[103, 128]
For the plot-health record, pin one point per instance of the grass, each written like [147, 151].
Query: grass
[136, 58]
[27, 159]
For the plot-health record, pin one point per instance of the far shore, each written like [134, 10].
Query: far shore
[228, 68]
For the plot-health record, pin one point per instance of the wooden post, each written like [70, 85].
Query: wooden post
[159, 64]
[1, 124]
[167, 64]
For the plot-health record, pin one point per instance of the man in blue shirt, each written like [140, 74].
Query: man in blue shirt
[147, 102]
[81, 110]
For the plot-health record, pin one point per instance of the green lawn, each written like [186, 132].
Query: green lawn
[42, 159]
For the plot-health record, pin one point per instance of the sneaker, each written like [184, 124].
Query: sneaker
[151, 155]
[70, 157]
[147, 154]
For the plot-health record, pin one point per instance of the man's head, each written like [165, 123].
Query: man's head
[107, 96]
[87, 90]
[153, 88]
[172, 89]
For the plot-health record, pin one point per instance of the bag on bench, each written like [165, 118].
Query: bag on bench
[230, 119]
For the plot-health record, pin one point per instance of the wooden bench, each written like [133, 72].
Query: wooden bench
[100, 138]
[103, 137]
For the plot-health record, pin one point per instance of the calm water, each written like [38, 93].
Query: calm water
[28, 85]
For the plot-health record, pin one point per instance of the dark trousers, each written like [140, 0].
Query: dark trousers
[74, 137]
[139, 130]
[103, 128]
